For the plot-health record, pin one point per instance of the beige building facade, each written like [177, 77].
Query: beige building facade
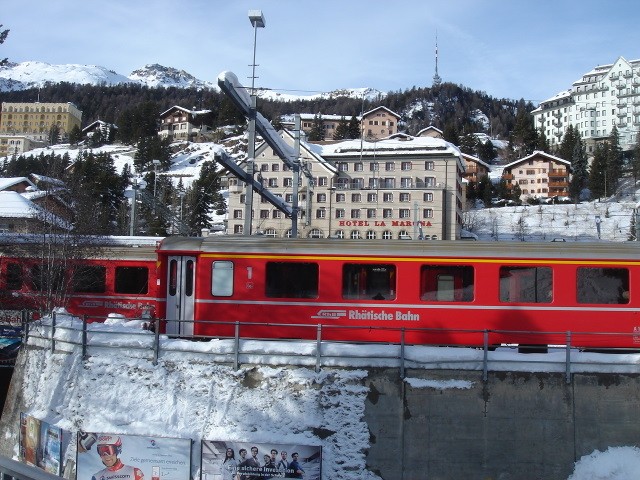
[404, 187]
[34, 120]
[538, 175]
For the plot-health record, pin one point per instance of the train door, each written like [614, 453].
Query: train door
[181, 276]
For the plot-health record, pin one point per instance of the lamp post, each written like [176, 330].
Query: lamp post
[257, 21]
[331, 190]
[156, 164]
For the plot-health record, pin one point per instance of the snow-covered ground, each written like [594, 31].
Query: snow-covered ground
[283, 408]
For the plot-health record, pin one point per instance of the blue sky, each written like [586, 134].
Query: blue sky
[507, 48]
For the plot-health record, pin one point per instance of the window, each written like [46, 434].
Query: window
[387, 235]
[387, 197]
[237, 214]
[288, 197]
[369, 281]
[291, 280]
[526, 284]
[340, 213]
[321, 213]
[603, 285]
[427, 213]
[371, 213]
[275, 167]
[405, 213]
[372, 197]
[356, 198]
[276, 214]
[238, 229]
[358, 167]
[405, 182]
[322, 198]
[287, 182]
[446, 283]
[89, 278]
[355, 235]
[341, 197]
[14, 276]
[405, 197]
[387, 213]
[429, 165]
[429, 181]
[405, 166]
[371, 235]
[373, 166]
[316, 233]
[389, 166]
[427, 197]
[133, 280]
[339, 234]
[355, 213]
[343, 167]
[273, 182]
[222, 278]
[264, 213]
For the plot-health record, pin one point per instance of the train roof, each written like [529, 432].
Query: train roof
[402, 248]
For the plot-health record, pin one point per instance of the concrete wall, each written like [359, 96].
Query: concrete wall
[516, 426]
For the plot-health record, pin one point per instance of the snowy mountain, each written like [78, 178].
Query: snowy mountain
[20, 76]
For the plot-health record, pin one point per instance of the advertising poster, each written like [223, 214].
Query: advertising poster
[257, 461]
[40, 444]
[107, 456]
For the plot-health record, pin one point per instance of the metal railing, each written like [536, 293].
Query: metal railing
[12, 469]
[316, 346]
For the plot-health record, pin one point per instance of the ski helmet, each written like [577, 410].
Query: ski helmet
[109, 443]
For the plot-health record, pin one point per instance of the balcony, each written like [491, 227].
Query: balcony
[557, 114]
[507, 176]
[558, 184]
[558, 173]
[556, 123]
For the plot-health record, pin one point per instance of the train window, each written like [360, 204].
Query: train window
[602, 285]
[370, 281]
[292, 280]
[132, 280]
[47, 278]
[14, 276]
[173, 277]
[222, 279]
[89, 278]
[526, 284]
[446, 283]
[189, 278]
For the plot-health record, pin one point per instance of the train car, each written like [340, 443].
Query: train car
[92, 276]
[454, 293]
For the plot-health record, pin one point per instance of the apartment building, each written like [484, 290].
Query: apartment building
[34, 120]
[607, 95]
[538, 175]
[475, 169]
[178, 123]
[18, 144]
[400, 187]
[377, 123]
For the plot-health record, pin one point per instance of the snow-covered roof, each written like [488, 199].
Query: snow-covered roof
[537, 153]
[15, 205]
[430, 128]
[471, 158]
[98, 123]
[185, 110]
[389, 146]
[11, 181]
[381, 108]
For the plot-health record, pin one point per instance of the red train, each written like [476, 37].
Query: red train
[439, 292]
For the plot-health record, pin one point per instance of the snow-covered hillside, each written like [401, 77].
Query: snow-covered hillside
[20, 76]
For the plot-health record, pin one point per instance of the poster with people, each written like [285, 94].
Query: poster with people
[40, 444]
[108, 456]
[223, 460]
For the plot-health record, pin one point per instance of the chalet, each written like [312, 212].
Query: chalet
[178, 123]
[539, 175]
[430, 131]
[476, 168]
[379, 123]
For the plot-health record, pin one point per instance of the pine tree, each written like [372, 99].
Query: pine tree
[3, 37]
[569, 140]
[317, 130]
[355, 130]
[204, 198]
[614, 162]
[486, 151]
[342, 130]
[579, 167]
[635, 160]
[524, 137]
[597, 173]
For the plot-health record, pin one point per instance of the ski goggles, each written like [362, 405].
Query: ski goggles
[107, 450]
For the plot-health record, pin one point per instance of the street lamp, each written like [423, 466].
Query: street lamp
[331, 190]
[257, 21]
[156, 164]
